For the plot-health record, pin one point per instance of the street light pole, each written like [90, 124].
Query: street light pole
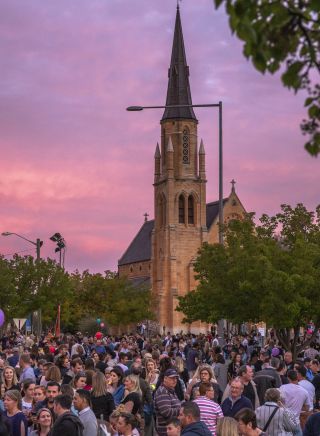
[219, 105]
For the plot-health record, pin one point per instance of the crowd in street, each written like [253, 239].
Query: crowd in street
[164, 385]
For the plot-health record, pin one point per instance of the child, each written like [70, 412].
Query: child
[174, 427]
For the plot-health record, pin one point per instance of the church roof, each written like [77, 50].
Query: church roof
[178, 92]
[140, 248]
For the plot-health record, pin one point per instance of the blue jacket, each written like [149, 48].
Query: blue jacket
[198, 428]
[118, 395]
[312, 427]
[231, 410]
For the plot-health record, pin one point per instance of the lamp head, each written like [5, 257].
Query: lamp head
[135, 108]
[56, 237]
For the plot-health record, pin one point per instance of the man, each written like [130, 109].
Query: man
[247, 423]
[14, 359]
[82, 403]
[123, 361]
[288, 360]
[267, 378]
[245, 374]
[76, 366]
[236, 401]
[66, 423]
[166, 403]
[210, 412]
[193, 359]
[296, 398]
[27, 370]
[308, 386]
[189, 418]
[312, 427]
[52, 391]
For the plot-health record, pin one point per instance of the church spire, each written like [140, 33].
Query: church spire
[178, 87]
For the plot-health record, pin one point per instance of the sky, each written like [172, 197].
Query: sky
[74, 161]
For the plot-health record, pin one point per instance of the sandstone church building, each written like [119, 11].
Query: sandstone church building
[163, 252]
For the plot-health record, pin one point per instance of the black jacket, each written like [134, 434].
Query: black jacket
[67, 424]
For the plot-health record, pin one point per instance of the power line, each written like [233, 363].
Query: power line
[16, 252]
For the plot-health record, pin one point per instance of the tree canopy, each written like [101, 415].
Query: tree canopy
[284, 35]
[268, 272]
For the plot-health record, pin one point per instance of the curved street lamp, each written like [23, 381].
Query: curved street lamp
[38, 243]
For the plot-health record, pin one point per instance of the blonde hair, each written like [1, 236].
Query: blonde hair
[99, 384]
[14, 395]
[136, 383]
[14, 379]
[179, 364]
[53, 374]
[227, 426]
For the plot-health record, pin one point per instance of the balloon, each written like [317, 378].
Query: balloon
[102, 324]
[98, 335]
[1, 318]
[98, 320]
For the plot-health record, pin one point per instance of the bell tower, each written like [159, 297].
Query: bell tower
[179, 192]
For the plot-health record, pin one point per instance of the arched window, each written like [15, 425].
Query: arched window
[185, 146]
[162, 211]
[181, 209]
[190, 210]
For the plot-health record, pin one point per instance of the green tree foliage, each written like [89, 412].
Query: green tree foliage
[284, 35]
[27, 285]
[268, 272]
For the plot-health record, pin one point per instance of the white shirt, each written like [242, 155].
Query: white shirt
[310, 389]
[295, 398]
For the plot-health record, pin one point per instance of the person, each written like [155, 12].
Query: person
[245, 375]
[53, 374]
[288, 360]
[28, 386]
[66, 423]
[267, 378]
[79, 381]
[174, 427]
[52, 391]
[152, 373]
[308, 386]
[312, 427]
[126, 424]
[102, 400]
[132, 395]
[76, 366]
[39, 394]
[247, 423]
[43, 424]
[220, 371]
[116, 386]
[166, 402]
[9, 378]
[272, 417]
[236, 401]
[14, 359]
[296, 397]
[234, 366]
[210, 412]
[27, 370]
[123, 361]
[15, 417]
[204, 374]
[189, 417]
[227, 426]
[192, 360]
[82, 403]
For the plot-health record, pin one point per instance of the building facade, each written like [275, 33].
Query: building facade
[163, 252]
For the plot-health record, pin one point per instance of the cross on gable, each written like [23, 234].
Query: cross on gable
[145, 217]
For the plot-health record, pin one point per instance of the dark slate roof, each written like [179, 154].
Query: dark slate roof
[140, 248]
[178, 87]
[140, 281]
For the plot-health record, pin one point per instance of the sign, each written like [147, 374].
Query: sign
[19, 322]
[262, 331]
[28, 325]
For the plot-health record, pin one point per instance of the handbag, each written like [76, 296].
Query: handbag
[270, 418]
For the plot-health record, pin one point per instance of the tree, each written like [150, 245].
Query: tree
[284, 35]
[268, 272]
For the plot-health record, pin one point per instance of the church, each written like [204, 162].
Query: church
[163, 252]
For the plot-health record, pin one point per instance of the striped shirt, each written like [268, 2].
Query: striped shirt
[210, 412]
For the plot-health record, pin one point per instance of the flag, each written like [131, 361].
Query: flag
[57, 326]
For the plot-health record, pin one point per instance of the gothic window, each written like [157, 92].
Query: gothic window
[185, 146]
[162, 211]
[181, 209]
[190, 210]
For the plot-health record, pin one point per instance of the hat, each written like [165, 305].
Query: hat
[171, 373]
[275, 352]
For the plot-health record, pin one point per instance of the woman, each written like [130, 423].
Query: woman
[53, 374]
[27, 396]
[79, 381]
[13, 413]
[39, 394]
[63, 363]
[234, 366]
[9, 378]
[152, 374]
[204, 374]
[89, 376]
[132, 395]
[126, 424]
[102, 401]
[227, 427]
[95, 357]
[44, 423]
[247, 423]
[116, 386]
[181, 370]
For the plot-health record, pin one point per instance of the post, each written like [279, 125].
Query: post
[38, 245]
[220, 176]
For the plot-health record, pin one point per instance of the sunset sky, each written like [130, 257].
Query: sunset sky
[74, 161]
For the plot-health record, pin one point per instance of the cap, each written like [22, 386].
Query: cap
[171, 373]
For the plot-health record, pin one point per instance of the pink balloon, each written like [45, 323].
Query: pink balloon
[2, 318]
[102, 324]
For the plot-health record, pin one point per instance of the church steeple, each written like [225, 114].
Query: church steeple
[178, 87]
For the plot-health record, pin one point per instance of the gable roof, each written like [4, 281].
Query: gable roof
[140, 248]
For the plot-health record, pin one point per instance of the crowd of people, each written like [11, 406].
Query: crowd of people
[165, 385]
